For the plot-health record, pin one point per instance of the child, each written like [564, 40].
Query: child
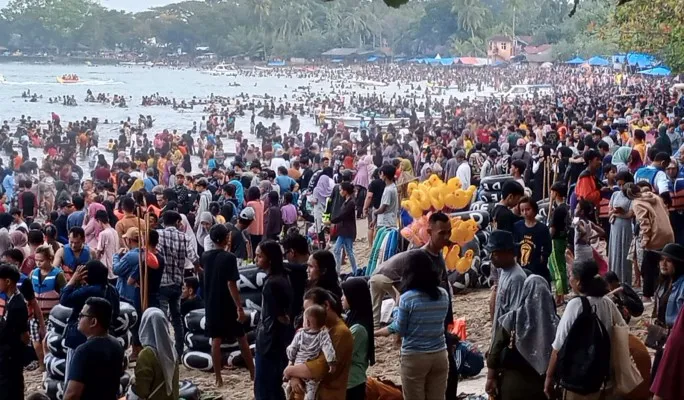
[273, 225]
[308, 344]
[189, 298]
[289, 212]
[534, 239]
[628, 301]
[583, 231]
[559, 224]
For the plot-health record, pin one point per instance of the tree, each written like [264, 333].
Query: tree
[470, 13]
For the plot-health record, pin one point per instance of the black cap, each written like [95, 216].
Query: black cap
[500, 240]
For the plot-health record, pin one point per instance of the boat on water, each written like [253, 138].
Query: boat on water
[224, 70]
[68, 78]
[354, 120]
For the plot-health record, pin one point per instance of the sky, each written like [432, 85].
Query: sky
[128, 5]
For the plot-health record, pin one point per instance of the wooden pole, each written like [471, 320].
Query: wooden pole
[145, 286]
[140, 257]
[552, 172]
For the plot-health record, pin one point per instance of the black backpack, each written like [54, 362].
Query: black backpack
[584, 359]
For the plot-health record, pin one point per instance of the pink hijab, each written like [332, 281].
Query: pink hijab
[92, 228]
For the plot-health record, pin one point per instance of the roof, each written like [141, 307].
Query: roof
[500, 38]
[340, 52]
[537, 49]
[525, 39]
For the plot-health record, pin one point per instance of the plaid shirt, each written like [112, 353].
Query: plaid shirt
[175, 247]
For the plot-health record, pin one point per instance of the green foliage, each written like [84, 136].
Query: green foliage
[305, 28]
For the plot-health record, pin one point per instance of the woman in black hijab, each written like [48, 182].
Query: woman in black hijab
[356, 301]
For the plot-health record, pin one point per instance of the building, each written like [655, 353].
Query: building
[500, 48]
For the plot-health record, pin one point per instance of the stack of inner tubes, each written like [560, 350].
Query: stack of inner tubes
[55, 359]
[197, 355]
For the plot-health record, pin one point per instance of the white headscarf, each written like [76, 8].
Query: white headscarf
[154, 333]
[202, 232]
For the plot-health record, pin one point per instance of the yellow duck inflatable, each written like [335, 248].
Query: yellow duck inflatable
[436, 195]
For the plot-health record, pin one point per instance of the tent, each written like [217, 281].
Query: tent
[657, 71]
[276, 63]
[372, 59]
[547, 65]
[597, 61]
[576, 60]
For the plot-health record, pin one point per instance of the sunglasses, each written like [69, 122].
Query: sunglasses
[81, 315]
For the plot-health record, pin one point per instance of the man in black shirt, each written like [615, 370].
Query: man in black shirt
[97, 364]
[373, 199]
[238, 241]
[222, 303]
[13, 335]
[501, 215]
[296, 250]
[26, 201]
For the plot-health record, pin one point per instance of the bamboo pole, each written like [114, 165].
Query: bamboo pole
[145, 286]
[140, 256]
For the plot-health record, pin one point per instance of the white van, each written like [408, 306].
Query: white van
[527, 91]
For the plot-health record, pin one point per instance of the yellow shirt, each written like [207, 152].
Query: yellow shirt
[333, 386]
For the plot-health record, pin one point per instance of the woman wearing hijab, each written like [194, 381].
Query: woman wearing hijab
[156, 370]
[621, 158]
[405, 176]
[663, 142]
[521, 347]
[356, 301]
[364, 170]
[206, 221]
[91, 227]
[321, 192]
[19, 241]
[137, 185]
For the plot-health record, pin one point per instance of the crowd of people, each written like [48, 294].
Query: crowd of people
[168, 235]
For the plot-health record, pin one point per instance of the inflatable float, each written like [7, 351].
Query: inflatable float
[68, 79]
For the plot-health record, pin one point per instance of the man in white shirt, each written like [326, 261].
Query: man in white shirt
[463, 172]
[279, 161]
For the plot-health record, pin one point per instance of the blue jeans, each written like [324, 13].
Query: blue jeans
[268, 377]
[169, 301]
[348, 244]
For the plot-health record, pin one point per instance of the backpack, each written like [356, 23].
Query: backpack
[584, 359]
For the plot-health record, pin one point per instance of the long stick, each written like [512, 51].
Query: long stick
[545, 173]
[140, 256]
[145, 297]
[551, 168]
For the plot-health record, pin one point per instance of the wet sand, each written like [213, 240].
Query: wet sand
[471, 305]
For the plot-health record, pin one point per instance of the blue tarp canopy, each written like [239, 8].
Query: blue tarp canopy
[446, 61]
[576, 60]
[400, 59]
[597, 61]
[276, 63]
[641, 60]
[336, 60]
[657, 71]
[372, 59]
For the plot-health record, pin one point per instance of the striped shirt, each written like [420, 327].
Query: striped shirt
[175, 246]
[420, 322]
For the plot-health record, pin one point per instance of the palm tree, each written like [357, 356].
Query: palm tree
[470, 14]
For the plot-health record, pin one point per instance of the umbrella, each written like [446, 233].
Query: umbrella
[547, 65]
[657, 71]
[576, 60]
[597, 61]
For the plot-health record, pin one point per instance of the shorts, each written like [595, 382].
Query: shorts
[372, 218]
[34, 330]
[225, 329]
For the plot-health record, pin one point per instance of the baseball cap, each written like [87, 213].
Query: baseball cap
[500, 240]
[248, 214]
[66, 203]
[132, 233]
